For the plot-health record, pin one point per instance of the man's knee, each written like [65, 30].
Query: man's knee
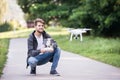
[56, 54]
[58, 50]
[32, 61]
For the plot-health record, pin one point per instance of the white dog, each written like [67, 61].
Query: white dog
[48, 44]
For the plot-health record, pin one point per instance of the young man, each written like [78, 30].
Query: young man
[38, 54]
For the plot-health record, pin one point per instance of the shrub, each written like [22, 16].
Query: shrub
[5, 27]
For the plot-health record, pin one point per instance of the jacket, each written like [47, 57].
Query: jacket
[32, 44]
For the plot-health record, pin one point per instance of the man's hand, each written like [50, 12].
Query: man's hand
[49, 49]
[43, 50]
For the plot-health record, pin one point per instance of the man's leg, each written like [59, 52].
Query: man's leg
[39, 60]
[56, 57]
[44, 58]
[32, 62]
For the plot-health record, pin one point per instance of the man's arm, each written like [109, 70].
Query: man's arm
[31, 50]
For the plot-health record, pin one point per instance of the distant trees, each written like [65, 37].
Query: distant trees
[3, 7]
[49, 9]
[103, 16]
[100, 15]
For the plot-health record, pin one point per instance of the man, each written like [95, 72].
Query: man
[38, 54]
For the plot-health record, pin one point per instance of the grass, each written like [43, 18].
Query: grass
[106, 50]
[101, 49]
[3, 51]
[16, 34]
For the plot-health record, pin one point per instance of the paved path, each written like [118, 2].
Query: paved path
[71, 66]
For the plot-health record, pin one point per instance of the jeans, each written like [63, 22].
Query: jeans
[46, 57]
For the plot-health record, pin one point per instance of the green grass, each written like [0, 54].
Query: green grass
[16, 34]
[101, 49]
[3, 51]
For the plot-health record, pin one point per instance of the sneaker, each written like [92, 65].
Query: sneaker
[54, 72]
[33, 71]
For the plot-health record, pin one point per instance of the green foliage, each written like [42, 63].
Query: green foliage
[48, 11]
[97, 14]
[100, 15]
[42, 11]
[26, 4]
[5, 27]
[3, 52]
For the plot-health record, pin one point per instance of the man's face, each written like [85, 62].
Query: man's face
[39, 27]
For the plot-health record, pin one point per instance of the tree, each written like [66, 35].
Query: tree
[100, 15]
[48, 9]
[97, 14]
[26, 4]
[3, 7]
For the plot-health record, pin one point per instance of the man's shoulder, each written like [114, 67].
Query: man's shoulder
[45, 34]
[31, 35]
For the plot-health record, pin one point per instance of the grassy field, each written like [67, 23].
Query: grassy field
[106, 50]
[3, 51]
[101, 49]
[15, 34]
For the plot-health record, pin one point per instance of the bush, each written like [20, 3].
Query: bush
[5, 27]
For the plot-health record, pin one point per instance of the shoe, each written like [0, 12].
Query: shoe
[33, 71]
[54, 72]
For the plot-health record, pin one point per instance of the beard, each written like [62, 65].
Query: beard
[39, 31]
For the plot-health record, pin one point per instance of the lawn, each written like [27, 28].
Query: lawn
[3, 51]
[106, 50]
